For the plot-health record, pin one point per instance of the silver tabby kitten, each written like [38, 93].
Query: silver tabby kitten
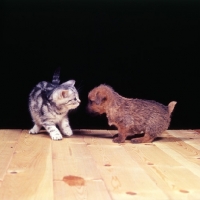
[49, 104]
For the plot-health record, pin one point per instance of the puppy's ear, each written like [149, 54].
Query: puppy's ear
[99, 99]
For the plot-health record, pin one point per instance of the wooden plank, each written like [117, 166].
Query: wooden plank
[105, 155]
[123, 177]
[179, 178]
[191, 137]
[147, 158]
[35, 167]
[72, 158]
[184, 134]
[91, 136]
[170, 148]
[164, 170]
[177, 145]
[150, 158]
[8, 137]
[197, 130]
[75, 166]
[183, 183]
[150, 154]
[65, 148]
[94, 189]
[187, 151]
[8, 142]
[29, 175]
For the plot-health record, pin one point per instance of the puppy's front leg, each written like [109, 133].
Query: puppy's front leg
[121, 136]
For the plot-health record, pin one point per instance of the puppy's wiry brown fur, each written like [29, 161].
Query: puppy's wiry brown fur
[130, 116]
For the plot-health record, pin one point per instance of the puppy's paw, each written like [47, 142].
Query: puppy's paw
[142, 140]
[136, 140]
[118, 140]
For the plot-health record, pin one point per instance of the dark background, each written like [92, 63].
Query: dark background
[143, 49]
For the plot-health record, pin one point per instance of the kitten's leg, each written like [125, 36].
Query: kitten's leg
[53, 131]
[36, 128]
[65, 127]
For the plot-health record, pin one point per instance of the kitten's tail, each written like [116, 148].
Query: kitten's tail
[56, 76]
[171, 106]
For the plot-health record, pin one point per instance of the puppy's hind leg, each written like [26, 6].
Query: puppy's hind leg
[150, 133]
[147, 138]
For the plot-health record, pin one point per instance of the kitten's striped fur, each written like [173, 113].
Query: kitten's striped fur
[49, 104]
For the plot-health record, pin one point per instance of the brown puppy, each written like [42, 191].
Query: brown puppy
[130, 116]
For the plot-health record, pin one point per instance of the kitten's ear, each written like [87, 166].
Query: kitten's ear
[60, 94]
[64, 94]
[69, 83]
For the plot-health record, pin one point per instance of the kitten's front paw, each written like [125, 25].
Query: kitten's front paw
[67, 132]
[35, 129]
[56, 136]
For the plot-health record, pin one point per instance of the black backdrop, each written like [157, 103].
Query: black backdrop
[143, 49]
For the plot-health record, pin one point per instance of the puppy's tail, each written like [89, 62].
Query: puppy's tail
[171, 106]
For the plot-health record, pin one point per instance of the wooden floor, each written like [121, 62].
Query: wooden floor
[89, 165]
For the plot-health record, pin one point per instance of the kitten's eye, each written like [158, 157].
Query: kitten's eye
[74, 99]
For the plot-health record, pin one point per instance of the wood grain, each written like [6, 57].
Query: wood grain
[29, 175]
[88, 165]
[8, 141]
[71, 158]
